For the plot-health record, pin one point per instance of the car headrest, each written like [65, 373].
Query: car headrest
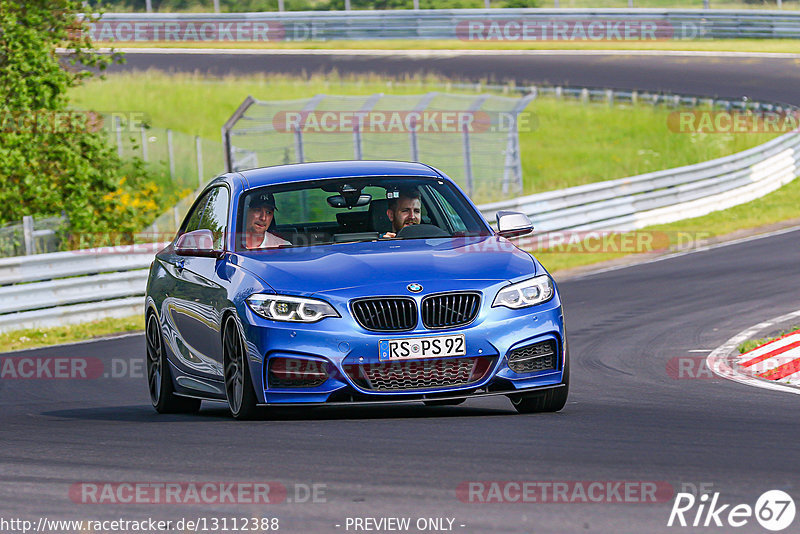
[377, 215]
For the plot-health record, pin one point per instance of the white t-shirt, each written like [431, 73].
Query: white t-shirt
[271, 240]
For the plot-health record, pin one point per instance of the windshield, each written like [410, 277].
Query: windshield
[351, 210]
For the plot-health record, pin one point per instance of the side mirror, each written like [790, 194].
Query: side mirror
[197, 243]
[512, 224]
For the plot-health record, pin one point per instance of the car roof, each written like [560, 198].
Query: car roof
[300, 172]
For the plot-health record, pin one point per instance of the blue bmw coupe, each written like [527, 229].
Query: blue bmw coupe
[349, 282]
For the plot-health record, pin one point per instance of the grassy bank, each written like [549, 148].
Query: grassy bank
[570, 143]
[751, 344]
[41, 337]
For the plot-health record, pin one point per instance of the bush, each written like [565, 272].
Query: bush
[48, 165]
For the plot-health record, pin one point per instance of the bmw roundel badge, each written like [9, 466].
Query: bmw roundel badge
[414, 288]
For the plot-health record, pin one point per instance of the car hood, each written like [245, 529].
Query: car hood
[309, 270]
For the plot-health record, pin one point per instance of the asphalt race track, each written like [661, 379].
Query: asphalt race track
[768, 79]
[628, 418]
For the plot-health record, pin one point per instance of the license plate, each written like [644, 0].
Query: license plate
[422, 347]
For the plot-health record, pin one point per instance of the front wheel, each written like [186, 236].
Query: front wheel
[159, 378]
[242, 399]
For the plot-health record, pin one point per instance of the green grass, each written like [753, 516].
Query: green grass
[789, 46]
[41, 337]
[755, 343]
[570, 144]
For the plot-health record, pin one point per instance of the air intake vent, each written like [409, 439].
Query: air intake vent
[386, 314]
[532, 358]
[448, 310]
[404, 375]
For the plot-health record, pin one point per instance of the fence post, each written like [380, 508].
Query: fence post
[347, 5]
[467, 158]
[281, 5]
[176, 217]
[144, 144]
[171, 155]
[357, 151]
[298, 145]
[198, 146]
[216, 6]
[416, 5]
[118, 129]
[27, 235]
[414, 142]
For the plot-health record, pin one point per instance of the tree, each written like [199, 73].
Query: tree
[51, 160]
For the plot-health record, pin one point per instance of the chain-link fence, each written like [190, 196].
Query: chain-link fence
[188, 161]
[473, 138]
[31, 236]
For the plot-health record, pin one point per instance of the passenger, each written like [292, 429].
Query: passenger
[405, 209]
[259, 223]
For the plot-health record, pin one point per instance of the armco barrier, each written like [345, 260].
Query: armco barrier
[72, 287]
[663, 196]
[464, 24]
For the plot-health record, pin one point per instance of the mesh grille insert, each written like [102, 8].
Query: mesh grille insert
[532, 358]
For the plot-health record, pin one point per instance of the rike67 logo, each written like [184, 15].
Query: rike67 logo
[774, 510]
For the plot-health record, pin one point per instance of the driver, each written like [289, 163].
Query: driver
[404, 209]
[259, 220]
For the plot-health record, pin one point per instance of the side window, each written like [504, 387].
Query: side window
[215, 215]
[192, 222]
[455, 219]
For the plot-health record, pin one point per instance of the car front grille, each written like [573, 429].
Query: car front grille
[386, 314]
[449, 310]
[532, 358]
[404, 375]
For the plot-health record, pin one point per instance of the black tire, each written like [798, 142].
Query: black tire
[444, 402]
[242, 400]
[551, 400]
[159, 377]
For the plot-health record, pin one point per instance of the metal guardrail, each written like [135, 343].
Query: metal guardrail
[78, 286]
[464, 24]
[664, 196]
[71, 287]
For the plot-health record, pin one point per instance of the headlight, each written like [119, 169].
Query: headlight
[524, 294]
[294, 309]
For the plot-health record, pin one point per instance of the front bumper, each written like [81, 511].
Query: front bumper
[341, 345]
